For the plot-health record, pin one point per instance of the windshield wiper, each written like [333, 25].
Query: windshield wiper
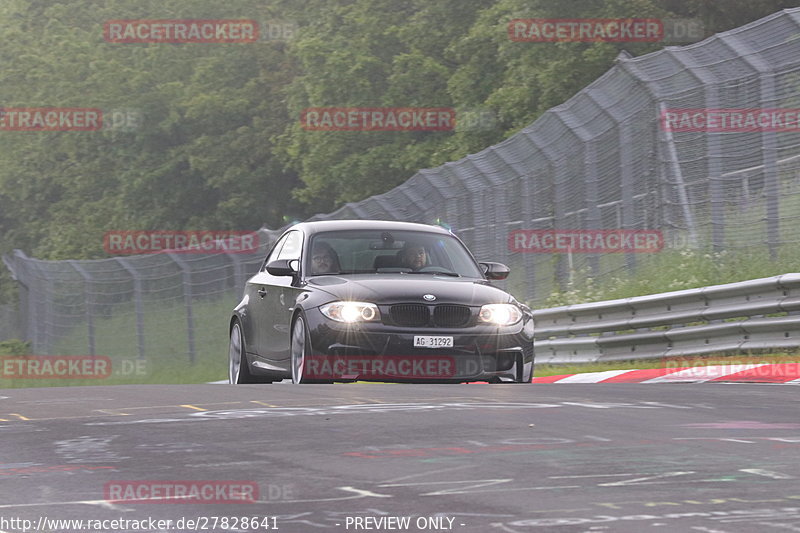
[452, 274]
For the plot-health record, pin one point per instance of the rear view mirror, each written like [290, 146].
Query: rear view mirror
[283, 267]
[495, 270]
[378, 245]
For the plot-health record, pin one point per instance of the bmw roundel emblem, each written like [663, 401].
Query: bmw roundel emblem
[429, 297]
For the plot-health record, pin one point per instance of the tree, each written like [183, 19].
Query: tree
[198, 156]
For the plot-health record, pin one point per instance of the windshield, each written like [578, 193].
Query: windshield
[380, 252]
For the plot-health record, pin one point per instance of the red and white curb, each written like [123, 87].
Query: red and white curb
[753, 373]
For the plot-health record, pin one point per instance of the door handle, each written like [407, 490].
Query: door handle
[262, 292]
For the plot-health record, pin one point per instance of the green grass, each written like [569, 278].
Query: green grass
[166, 347]
[673, 270]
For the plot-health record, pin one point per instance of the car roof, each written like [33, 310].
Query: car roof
[386, 225]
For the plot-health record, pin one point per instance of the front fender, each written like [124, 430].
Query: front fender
[240, 313]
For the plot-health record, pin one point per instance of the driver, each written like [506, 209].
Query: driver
[413, 256]
[324, 259]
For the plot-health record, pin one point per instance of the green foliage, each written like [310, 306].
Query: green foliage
[196, 156]
[217, 142]
[15, 347]
[677, 269]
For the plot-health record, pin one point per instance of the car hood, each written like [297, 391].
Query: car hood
[393, 288]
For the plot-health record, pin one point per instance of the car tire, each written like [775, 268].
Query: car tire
[300, 344]
[238, 367]
[299, 347]
[237, 372]
[525, 374]
[527, 377]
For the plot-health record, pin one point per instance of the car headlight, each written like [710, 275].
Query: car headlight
[351, 312]
[500, 314]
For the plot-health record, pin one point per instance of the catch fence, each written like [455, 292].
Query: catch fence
[603, 160]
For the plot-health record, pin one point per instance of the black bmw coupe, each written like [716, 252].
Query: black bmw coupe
[373, 300]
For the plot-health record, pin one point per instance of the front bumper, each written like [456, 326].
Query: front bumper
[381, 352]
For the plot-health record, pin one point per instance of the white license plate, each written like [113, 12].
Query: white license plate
[432, 341]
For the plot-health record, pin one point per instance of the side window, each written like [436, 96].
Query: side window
[275, 251]
[291, 246]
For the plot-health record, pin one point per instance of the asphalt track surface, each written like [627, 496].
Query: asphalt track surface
[367, 457]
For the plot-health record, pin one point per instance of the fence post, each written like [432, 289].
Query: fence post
[627, 163]
[186, 274]
[671, 161]
[561, 273]
[238, 271]
[766, 82]
[24, 327]
[715, 182]
[713, 171]
[590, 178]
[771, 187]
[503, 249]
[137, 296]
[652, 88]
[592, 200]
[38, 309]
[87, 293]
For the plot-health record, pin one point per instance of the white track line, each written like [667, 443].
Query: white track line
[592, 377]
[702, 373]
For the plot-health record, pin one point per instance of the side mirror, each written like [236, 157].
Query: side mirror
[495, 270]
[283, 267]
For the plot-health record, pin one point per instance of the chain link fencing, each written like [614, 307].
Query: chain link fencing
[163, 303]
[9, 323]
[607, 159]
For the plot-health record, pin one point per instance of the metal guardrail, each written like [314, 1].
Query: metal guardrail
[735, 317]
